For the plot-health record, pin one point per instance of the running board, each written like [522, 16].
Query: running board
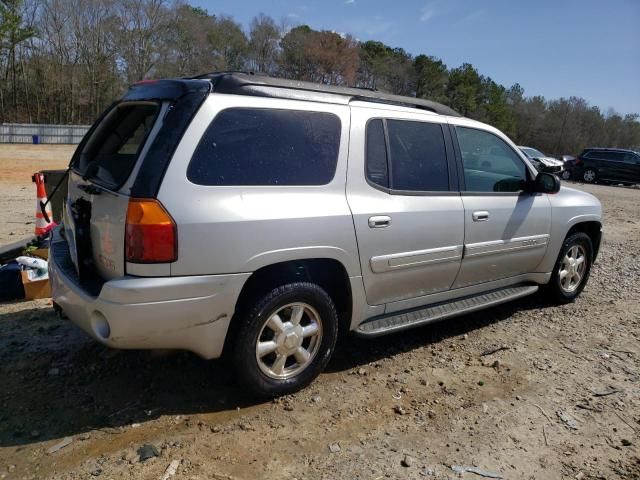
[394, 322]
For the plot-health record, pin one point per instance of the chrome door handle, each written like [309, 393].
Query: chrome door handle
[480, 216]
[379, 221]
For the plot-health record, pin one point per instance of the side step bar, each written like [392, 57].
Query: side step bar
[394, 322]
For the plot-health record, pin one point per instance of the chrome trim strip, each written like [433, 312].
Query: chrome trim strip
[396, 261]
[502, 246]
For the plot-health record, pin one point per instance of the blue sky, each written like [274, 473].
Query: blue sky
[555, 48]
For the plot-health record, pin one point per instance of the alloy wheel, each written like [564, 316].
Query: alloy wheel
[289, 340]
[573, 268]
[589, 176]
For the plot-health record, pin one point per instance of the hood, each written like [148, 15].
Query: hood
[552, 162]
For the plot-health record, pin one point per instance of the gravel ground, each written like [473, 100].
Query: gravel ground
[558, 399]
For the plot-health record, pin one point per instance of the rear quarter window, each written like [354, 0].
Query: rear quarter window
[245, 146]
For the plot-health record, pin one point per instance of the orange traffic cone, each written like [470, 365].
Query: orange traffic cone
[44, 217]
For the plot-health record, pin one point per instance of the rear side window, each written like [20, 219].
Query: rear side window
[244, 146]
[418, 156]
[416, 159]
[377, 170]
[110, 153]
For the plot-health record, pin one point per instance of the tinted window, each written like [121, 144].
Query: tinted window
[376, 157]
[110, 153]
[245, 146]
[490, 165]
[418, 157]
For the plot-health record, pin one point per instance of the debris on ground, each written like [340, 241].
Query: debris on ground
[568, 420]
[477, 471]
[171, 470]
[407, 461]
[493, 349]
[334, 447]
[60, 445]
[148, 451]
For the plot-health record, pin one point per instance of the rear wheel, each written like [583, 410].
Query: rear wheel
[572, 269]
[566, 175]
[285, 340]
[589, 175]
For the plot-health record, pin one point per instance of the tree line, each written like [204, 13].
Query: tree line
[64, 61]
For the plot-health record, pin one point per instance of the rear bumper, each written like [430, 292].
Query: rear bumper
[189, 313]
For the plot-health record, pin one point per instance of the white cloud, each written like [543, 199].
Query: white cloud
[427, 13]
[350, 2]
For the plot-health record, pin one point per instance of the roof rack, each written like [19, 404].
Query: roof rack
[248, 83]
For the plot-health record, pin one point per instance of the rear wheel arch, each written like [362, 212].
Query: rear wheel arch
[329, 274]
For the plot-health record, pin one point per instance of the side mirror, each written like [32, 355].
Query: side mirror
[546, 183]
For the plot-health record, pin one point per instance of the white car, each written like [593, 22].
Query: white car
[543, 162]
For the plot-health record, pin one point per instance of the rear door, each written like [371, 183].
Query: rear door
[506, 229]
[407, 212]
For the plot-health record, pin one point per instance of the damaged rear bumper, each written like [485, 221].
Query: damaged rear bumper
[189, 313]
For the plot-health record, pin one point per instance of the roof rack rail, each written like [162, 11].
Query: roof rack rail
[249, 83]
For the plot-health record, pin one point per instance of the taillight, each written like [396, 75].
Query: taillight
[150, 235]
[578, 161]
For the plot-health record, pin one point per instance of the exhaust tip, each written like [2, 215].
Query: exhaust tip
[100, 326]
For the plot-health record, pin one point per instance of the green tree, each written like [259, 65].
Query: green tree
[431, 78]
[13, 32]
[464, 89]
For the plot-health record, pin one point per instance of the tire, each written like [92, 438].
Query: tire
[590, 175]
[560, 290]
[262, 340]
[566, 175]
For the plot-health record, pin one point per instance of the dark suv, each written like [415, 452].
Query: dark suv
[607, 165]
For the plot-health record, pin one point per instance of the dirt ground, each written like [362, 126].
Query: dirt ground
[17, 194]
[559, 397]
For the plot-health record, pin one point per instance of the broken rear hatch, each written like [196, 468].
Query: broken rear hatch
[124, 155]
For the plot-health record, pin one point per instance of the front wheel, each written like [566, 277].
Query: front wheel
[572, 269]
[285, 340]
[589, 175]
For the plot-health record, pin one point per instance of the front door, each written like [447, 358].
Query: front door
[409, 223]
[506, 229]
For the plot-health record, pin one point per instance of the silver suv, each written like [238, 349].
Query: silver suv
[259, 218]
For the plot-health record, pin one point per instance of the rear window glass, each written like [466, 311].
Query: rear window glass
[245, 146]
[377, 171]
[418, 156]
[110, 153]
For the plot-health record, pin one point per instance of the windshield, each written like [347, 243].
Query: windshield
[532, 152]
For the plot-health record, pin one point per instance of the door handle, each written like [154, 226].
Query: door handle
[379, 221]
[480, 216]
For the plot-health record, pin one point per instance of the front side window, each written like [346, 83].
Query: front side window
[490, 165]
[110, 153]
[246, 146]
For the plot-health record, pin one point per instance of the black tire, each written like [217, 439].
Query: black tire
[566, 175]
[590, 174]
[554, 291]
[253, 321]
